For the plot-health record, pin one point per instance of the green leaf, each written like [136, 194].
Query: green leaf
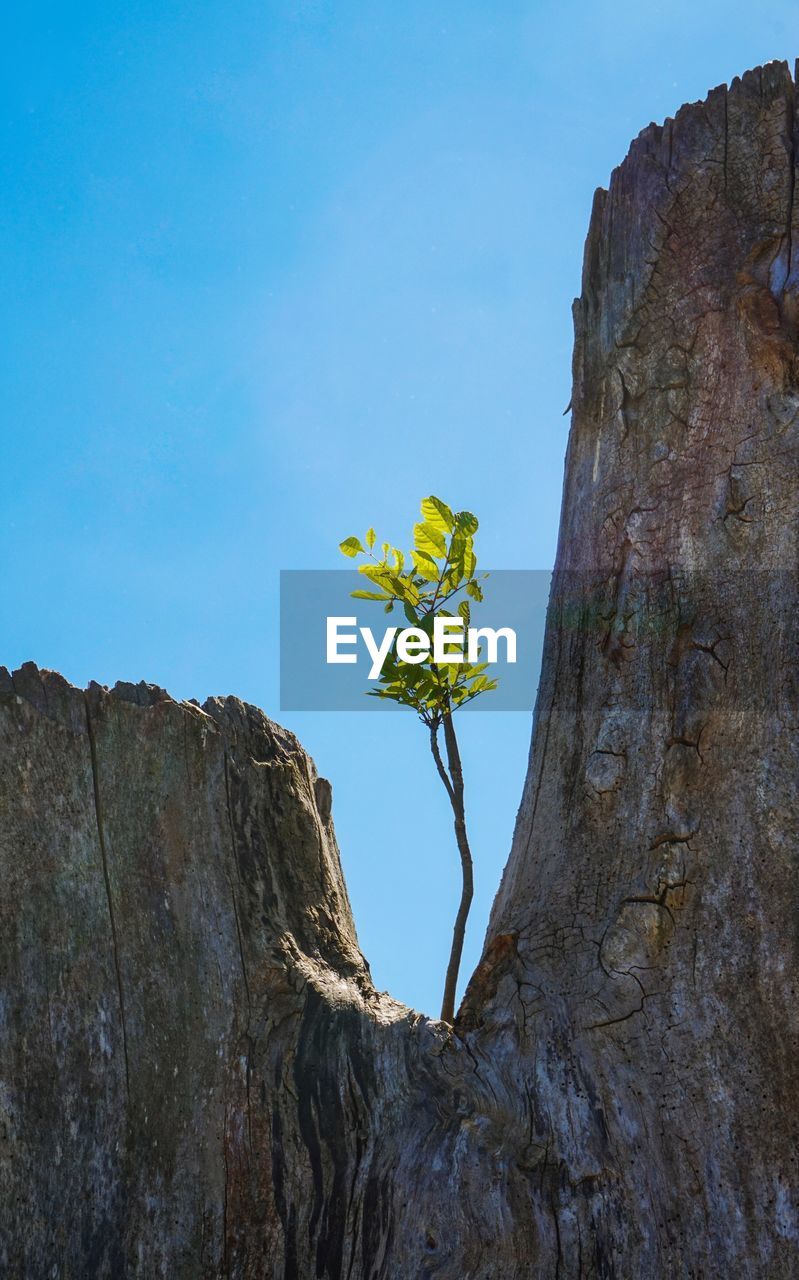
[464, 611]
[403, 587]
[380, 577]
[368, 595]
[474, 590]
[370, 538]
[437, 513]
[430, 540]
[425, 566]
[411, 614]
[466, 522]
[462, 555]
[453, 580]
[350, 547]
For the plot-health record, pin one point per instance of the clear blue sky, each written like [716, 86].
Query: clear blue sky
[272, 272]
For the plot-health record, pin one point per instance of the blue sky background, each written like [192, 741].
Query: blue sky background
[272, 273]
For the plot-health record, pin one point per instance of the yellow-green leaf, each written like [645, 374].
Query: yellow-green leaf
[350, 547]
[429, 540]
[425, 566]
[437, 513]
[385, 581]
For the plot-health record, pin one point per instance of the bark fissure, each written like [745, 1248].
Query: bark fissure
[240, 943]
[98, 810]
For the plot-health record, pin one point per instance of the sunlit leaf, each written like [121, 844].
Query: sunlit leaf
[350, 546]
[425, 566]
[430, 540]
[437, 513]
[403, 587]
[376, 573]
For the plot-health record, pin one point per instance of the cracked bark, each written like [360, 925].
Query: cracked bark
[618, 1096]
[98, 812]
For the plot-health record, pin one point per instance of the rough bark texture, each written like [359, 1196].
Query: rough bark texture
[197, 1078]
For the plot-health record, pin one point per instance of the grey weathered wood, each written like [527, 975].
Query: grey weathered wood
[197, 1077]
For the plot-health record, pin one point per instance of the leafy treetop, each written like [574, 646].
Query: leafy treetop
[441, 566]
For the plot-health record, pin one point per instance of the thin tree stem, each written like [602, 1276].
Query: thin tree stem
[453, 782]
[442, 773]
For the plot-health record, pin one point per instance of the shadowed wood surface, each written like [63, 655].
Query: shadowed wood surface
[197, 1077]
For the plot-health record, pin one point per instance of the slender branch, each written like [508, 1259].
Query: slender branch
[454, 785]
[442, 773]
